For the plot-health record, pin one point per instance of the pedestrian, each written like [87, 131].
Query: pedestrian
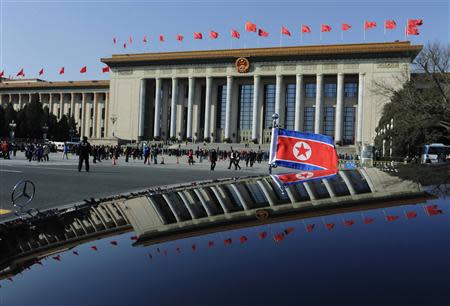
[65, 151]
[191, 157]
[213, 159]
[231, 157]
[146, 154]
[236, 159]
[84, 150]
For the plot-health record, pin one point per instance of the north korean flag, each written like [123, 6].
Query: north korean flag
[304, 151]
[303, 176]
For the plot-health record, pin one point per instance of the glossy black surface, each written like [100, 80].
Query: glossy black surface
[399, 262]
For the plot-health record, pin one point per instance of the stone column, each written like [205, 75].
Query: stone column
[299, 102]
[173, 108]
[83, 114]
[72, 104]
[228, 107]
[191, 91]
[164, 110]
[359, 125]
[256, 106]
[50, 103]
[95, 118]
[141, 109]
[106, 122]
[339, 109]
[208, 100]
[157, 123]
[318, 120]
[20, 101]
[61, 105]
[279, 103]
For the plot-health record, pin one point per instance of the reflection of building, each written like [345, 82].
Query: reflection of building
[232, 94]
[166, 214]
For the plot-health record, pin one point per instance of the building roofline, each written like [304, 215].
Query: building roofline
[54, 85]
[277, 52]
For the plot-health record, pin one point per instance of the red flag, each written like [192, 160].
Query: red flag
[178, 250]
[180, 37]
[349, 223]
[262, 33]
[390, 24]
[198, 35]
[61, 70]
[124, 45]
[235, 34]
[83, 69]
[368, 220]
[57, 257]
[227, 241]
[194, 247]
[250, 27]
[289, 230]
[105, 69]
[243, 239]
[134, 238]
[306, 29]
[369, 24]
[412, 30]
[113, 242]
[415, 22]
[213, 34]
[161, 38]
[114, 40]
[2, 73]
[326, 28]
[41, 72]
[75, 253]
[391, 218]
[411, 214]
[285, 31]
[432, 210]
[144, 40]
[20, 73]
[94, 248]
[346, 27]
[210, 244]
[130, 40]
[278, 237]
[310, 228]
[330, 226]
[262, 235]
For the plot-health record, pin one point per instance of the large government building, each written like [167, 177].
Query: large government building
[230, 95]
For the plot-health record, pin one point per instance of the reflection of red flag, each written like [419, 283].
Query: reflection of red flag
[198, 35]
[227, 241]
[194, 247]
[130, 40]
[306, 29]
[125, 45]
[349, 222]
[278, 237]
[262, 235]
[161, 38]
[369, 25]
[114, 40]
[368, 220]
[391, 218]
[210, 244]
[289, 230]
[390, 24]
[134, 238]
[432, 210]
[180, 37]
[94, 248]
[20, 73]
[83, 69]
[41, 72]
[144, 40]
[285, 31]
[213, 34]
[165, 252]
[262, 33]
[310, 227]
[75, 253]
[411, 214]
[250, 27]
[61, 70]
[326, 28]
[113, 242]
[57, 257]
[2, 73]
[330, 226]
[346, 27]
[105, 69]
[178, 250]
[235, 34]
[243, 239]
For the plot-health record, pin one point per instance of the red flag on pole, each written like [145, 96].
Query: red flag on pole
[20, 73]
[105, 69]
[41, 72]
[198, 35]
[144, 40]
[161, 38]
[390, 24]
[369, 25]
[213, 34]
[235, 34]
[412, 30]
[346, 27]
[83, 69]
[2, 73]
[285, 31]
[326, 28]
[124, 45]
[306, 29]
[415, 22]
[180, 37]
[61, 70]
[250, 27]
[262, 33]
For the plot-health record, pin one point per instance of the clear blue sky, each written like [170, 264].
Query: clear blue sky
[50, 34]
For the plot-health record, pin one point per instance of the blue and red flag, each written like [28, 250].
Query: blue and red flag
[304, 151]
[303, 176]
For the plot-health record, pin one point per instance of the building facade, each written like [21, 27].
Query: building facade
[230, 95]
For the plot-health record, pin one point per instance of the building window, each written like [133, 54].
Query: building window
[245, 106]
[91, 110]
[308, 122]
[310, 90]
[349, 125]
[328, 121]
[269, 105]
[290, 106]
[221, 106]
[79, 114]
[330, 90]
[103, 113]
[350, 90]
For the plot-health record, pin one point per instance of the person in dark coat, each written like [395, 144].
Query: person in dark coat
[84, 150]
[213, 159]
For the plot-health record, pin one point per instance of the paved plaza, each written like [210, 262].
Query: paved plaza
[58, 181]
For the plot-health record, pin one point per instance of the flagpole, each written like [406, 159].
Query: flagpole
[364, 30]
[320, 35]
[384, 30]
[281, 37]
[342, 35]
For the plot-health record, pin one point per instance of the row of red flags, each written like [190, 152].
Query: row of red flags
[61, 71]
[411, 29]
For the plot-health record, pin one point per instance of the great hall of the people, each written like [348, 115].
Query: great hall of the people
[229, 95]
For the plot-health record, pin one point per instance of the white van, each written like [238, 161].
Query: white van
[431, 152]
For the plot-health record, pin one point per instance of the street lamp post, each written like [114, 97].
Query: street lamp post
[71, 132]
[113, 119]
[275, 117]
[12, 128]
[44, 131]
